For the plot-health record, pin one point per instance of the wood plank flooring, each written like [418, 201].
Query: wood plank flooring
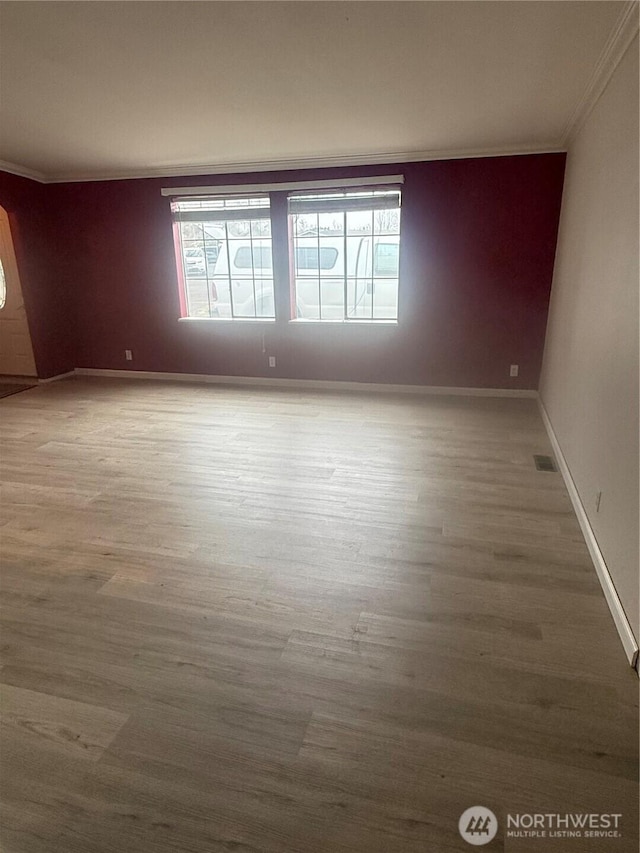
[268, 621]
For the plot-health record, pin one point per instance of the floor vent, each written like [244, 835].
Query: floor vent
[544, 463]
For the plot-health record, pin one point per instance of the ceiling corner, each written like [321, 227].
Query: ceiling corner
[622, 34]
[23, 172]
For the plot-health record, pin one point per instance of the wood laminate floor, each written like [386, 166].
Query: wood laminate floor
[249, 621]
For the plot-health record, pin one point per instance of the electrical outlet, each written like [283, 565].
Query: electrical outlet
[598, 499]
[272, 361]
[513, 370]
[128, 355]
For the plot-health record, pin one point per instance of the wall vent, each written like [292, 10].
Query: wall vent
[544, 463]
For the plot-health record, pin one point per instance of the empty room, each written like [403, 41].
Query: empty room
[319, 427]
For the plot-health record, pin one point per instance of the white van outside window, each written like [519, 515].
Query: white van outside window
[210, 232]
[346, 255]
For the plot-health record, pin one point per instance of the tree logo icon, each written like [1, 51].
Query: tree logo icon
[478, 825]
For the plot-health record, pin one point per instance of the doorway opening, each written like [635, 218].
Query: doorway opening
[16, 350]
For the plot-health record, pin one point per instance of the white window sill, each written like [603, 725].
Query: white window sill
[298, 321]
[226, 320]
[303, 322]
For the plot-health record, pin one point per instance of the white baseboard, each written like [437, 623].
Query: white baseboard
[627, 637]
[310, 384]
[57, 377]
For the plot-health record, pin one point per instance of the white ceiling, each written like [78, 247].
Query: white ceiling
[101, 89]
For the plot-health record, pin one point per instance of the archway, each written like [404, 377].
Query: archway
[16, 351]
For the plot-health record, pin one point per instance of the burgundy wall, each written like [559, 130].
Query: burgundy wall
[47, 290]
[478, 244]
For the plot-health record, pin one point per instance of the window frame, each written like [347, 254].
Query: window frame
[282, 244]
[344, 200]
[222, 210]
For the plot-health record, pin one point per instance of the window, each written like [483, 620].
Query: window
[249, 256]
[342, 252]
[307, 258]
[359, 233]
[386, 259]
[314, 257]
[224, 247]
[3, 286]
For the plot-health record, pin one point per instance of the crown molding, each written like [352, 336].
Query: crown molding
[624, 31]
[378, 159]
[23, 172]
